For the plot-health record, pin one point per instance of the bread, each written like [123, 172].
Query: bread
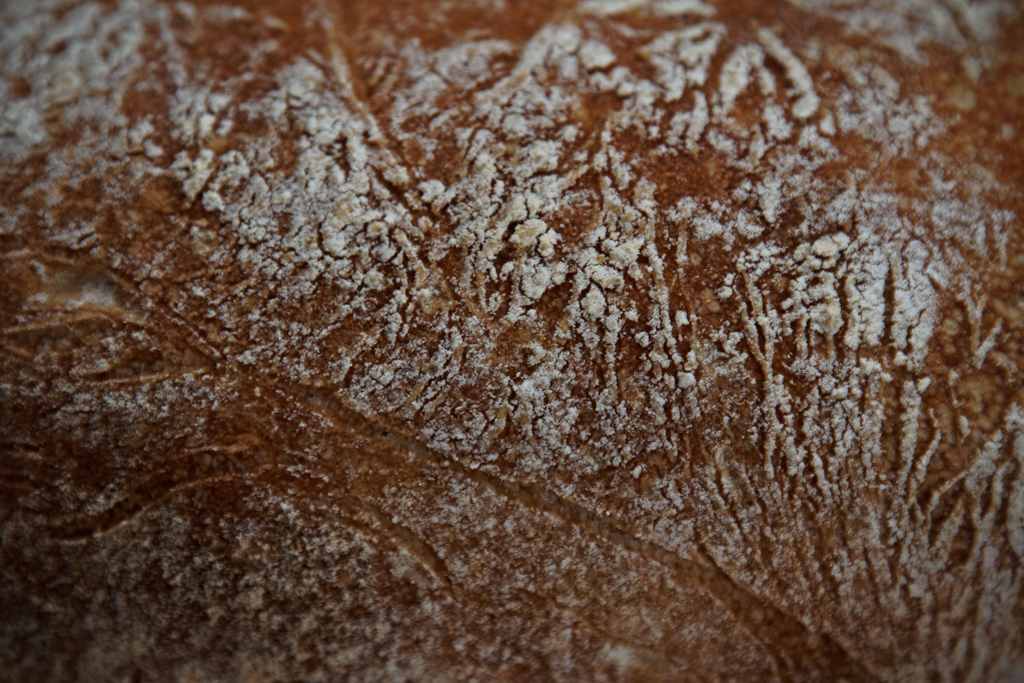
[597, 340]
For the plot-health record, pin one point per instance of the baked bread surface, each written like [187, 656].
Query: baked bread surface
[604, 340]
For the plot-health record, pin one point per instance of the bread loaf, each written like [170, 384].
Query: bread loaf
[494, 340]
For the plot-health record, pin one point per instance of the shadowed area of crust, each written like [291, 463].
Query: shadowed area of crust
[603, 340]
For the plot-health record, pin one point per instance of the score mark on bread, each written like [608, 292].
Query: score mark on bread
[600, 340]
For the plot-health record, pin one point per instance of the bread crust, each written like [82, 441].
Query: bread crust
[600, 340]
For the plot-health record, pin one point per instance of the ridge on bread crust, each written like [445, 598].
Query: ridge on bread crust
[619, 339]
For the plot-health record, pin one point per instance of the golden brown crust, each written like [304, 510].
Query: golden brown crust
[598, 340]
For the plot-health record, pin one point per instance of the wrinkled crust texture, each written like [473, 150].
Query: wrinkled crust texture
[611, 340]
